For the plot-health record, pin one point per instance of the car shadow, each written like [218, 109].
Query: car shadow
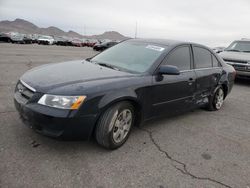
[40, 142]
[165, 120]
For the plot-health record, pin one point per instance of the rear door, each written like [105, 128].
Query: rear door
[174, 93]
[207, 74]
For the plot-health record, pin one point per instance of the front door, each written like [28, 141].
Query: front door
[172, 94]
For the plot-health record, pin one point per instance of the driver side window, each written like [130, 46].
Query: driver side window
[180, 58]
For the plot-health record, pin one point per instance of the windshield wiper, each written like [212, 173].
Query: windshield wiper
[105, 65]
[232, 50]
[88, 59]
[247, 51]
[108, 65]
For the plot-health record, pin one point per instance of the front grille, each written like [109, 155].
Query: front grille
[241, 68]
[235, 61]
[22, 93]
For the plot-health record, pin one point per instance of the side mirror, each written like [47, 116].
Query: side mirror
[169, 70]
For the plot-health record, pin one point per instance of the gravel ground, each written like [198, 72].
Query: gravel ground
[196, 149]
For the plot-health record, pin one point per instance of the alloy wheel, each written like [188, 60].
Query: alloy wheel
[122, 125]
[219, 98]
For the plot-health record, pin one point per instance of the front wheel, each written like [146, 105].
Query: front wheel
[114, 125]
[216, 100]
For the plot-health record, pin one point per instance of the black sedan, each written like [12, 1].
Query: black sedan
[134, 81]
[5, 37]
[104, 46]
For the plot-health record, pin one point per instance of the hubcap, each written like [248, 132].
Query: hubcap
[122, 125]
[219, 99]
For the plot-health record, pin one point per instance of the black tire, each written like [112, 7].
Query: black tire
[106, 126]
[212, 103]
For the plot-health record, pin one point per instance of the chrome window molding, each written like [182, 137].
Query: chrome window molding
[199, 69]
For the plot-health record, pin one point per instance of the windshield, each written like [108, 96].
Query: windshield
[239, 46]
[130, 56]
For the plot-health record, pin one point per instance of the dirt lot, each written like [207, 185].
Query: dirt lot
[197, 149]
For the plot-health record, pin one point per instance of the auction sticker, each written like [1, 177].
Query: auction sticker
[156, 48]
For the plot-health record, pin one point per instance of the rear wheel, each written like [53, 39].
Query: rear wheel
[114, 125]
[217, 99]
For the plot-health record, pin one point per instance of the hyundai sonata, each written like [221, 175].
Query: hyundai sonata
[134, 81]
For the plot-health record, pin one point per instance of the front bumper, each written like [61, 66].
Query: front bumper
[40, 119]
[241, 69]
[242, 73]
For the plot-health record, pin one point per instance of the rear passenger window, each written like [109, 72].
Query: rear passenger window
[202, 58]
[216, 63]
[180, 58]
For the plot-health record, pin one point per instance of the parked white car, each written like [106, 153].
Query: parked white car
[47, 40]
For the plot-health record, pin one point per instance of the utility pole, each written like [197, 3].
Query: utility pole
[135, 29]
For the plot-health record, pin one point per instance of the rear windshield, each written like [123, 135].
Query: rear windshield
[131, 56]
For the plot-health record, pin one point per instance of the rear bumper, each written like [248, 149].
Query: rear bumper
[59, 127]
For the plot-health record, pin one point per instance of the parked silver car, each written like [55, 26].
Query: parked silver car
[238, 55]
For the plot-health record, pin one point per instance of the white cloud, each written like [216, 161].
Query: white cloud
[210, 22]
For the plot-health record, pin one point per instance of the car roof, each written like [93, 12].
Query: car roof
[165, 42]
[169, 43]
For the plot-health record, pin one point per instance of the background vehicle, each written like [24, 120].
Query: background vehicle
[218, 49]
[17, 38]
[62, 41]
[14, 37]
[35, 38]
[5, 37]
[76, 42]
[104, 46]
[85, 43]
[90, 42]
[132, 82]
[27, 39]
[237, 54]
[46, 40]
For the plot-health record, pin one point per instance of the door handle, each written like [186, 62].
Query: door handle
[190, 81]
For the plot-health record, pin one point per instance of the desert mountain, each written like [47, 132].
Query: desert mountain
[26, 27]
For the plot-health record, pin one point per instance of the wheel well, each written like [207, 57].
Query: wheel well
[136, 105]
[138, 113]
[225, 89]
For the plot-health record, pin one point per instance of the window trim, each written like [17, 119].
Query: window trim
[196, 46]
[175, 48]
[217, 61]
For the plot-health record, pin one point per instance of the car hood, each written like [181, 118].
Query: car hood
[51, 76]
[242, 56]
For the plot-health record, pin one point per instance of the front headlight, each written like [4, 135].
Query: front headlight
[62, 102]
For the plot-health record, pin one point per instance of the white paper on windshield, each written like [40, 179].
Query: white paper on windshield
[157, 48]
